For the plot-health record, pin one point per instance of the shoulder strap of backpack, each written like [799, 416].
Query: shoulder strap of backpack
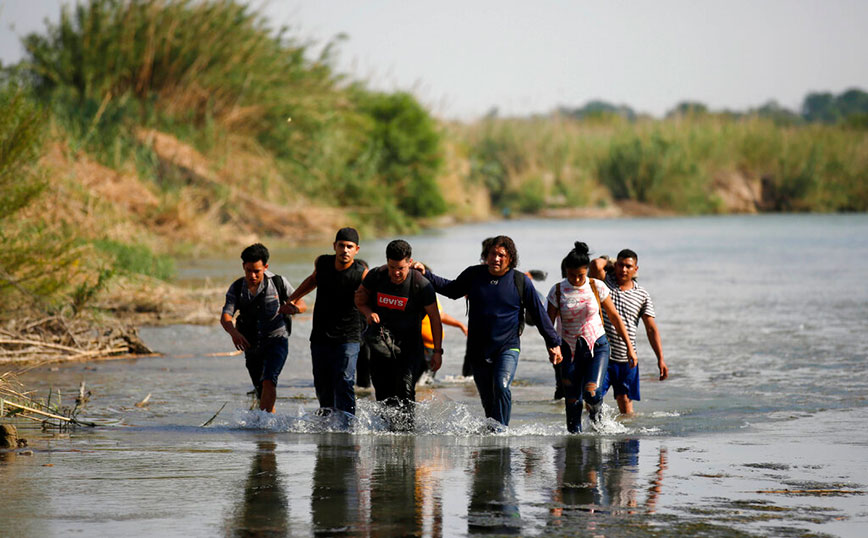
[282, 296]
[281, 288]
[558, 292]
[518, 277]
[237, 290]
[597, 296]
[519, 285]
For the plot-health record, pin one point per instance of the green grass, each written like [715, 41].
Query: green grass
[672, 163]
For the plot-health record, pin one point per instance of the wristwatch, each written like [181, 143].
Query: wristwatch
[440, 351]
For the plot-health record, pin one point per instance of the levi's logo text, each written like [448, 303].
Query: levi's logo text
[391, 301]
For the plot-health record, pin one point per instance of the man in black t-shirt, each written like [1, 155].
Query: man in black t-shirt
[336, 333]
[397, 297]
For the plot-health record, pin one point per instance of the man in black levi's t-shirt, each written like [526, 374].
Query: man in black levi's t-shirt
[397, 297]
[336, 334]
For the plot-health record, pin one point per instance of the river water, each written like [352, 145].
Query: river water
[761, 428]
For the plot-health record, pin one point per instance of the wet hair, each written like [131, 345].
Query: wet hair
[398, 250]
[627, 253]
[500, 241]
[255, 253]
[578, 257]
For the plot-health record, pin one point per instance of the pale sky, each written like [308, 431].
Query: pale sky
[461, 58]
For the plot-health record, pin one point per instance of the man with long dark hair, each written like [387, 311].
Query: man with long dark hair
[498, 295]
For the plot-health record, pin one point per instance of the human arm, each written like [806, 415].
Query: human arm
[237, 338]
[228, 314]
[436, 335]
[598, 268]
[294, 303]
[449, 320]
[454, 289]
[363, 303]
[618, 323]
[534, 305]
[307, 285]
[653, 334]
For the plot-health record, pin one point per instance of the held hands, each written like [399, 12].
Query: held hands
[555, 356]
[288, 308]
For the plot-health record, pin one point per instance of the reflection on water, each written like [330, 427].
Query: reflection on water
[395, 507]
[493, 507]
[597, 477]
[264, 508]
[336, 496]
[165, 476]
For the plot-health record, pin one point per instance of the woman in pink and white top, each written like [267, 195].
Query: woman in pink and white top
[574, 304]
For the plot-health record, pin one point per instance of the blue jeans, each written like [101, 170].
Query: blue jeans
[578, 372]
[493, 378]
[334, 373]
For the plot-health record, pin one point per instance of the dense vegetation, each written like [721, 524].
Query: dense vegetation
[682, 163]
[265, 127]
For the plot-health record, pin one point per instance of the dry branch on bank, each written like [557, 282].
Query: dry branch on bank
[16, 403]
[56, 339]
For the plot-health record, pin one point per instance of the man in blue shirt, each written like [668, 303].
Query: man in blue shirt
[498, 295]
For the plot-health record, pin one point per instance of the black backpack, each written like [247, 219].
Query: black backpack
[237, 289]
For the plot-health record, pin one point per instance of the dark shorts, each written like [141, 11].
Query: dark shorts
[622, 379]
[265, 360]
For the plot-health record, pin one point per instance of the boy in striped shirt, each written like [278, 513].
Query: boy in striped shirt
[633, 303]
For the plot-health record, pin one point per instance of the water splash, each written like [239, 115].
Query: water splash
[430, 417]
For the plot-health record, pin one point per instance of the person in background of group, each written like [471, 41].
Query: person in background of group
[577, 303]
[424, 373]
[632, 303]
[260, 330]
[498, 296]
[600, 267]
[336, 334]
[396, 297]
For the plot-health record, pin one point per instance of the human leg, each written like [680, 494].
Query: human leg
[274, 352]
[625, 385]
[363, 366]
[571, 380]
[483, 375]
[625, 405]
[504, 372]
[344, 377]
[253, 363]
[268, 397]
[594, 375]
[322, 356]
